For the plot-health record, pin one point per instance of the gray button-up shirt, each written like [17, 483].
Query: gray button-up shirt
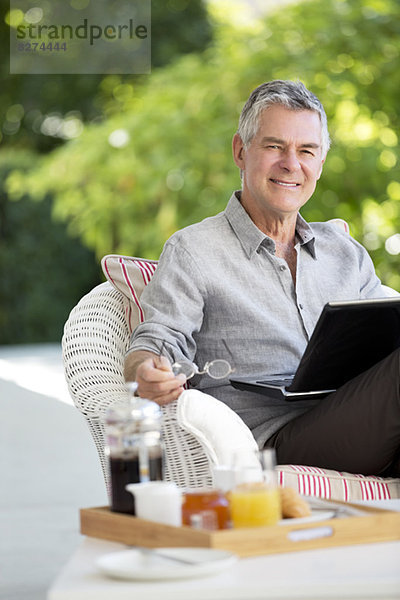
[220, 279]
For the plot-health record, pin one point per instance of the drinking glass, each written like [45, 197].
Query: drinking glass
[255, 499]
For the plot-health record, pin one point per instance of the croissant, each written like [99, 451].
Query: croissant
[292, 505]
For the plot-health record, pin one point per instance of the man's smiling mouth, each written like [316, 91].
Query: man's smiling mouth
[287, 184]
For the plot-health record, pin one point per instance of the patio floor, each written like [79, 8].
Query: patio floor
[49, 469]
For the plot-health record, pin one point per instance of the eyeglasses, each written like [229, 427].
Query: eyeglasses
[216, 369]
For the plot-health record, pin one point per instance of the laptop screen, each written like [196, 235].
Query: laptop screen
[349, 338]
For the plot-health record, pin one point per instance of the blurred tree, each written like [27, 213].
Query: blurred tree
[164, 160]
[44, 271]
[178, 27]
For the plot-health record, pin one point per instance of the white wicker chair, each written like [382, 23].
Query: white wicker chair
[94, 344]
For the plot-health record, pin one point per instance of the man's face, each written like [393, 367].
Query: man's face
[283, 161]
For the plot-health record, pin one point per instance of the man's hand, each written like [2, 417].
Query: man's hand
[154, 377]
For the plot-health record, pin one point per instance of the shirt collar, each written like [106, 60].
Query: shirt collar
[252, 238]
[305, 235]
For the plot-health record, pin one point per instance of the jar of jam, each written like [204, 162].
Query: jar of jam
[206, 508]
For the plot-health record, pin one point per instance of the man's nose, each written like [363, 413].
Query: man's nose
[289, 160]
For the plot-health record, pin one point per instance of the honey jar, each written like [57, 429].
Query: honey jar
[206, 508]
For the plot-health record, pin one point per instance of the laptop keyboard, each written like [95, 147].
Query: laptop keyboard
[277, 382]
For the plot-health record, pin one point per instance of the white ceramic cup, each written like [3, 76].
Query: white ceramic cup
[159, 501]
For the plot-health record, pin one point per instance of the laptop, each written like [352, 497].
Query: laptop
[349, 338]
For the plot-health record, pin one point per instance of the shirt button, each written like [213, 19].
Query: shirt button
[300, 306]
[282, 268]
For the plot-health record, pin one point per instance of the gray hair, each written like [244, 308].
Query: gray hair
[291, 94]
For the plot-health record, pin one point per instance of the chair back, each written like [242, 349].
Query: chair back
[94, 344]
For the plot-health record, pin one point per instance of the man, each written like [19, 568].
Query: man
[248, 286]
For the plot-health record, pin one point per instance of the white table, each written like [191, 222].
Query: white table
[363, 571]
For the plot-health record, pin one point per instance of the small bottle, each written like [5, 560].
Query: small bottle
[134, 447]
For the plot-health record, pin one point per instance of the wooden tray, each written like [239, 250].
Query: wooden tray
[376, 525]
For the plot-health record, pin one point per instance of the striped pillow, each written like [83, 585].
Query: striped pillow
[337, 485]
[129, 275]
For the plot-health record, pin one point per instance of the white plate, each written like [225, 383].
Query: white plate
[136, 564]
[316, 515]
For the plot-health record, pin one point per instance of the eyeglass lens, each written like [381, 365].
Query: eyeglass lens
[218, 369]
[188, 369]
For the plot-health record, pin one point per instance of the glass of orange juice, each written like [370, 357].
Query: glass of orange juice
[255, 499]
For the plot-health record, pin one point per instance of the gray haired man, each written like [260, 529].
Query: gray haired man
[254, 279]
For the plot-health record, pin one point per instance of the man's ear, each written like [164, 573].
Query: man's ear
[321, 167]
[238, 151]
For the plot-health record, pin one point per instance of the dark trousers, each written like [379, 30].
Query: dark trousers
[355, 429]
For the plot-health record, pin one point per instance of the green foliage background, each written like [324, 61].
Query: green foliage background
[43, 270]
[174, 166]
[45, 266]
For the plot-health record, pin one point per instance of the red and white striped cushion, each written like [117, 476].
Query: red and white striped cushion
[129, 275]
[336, 485]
